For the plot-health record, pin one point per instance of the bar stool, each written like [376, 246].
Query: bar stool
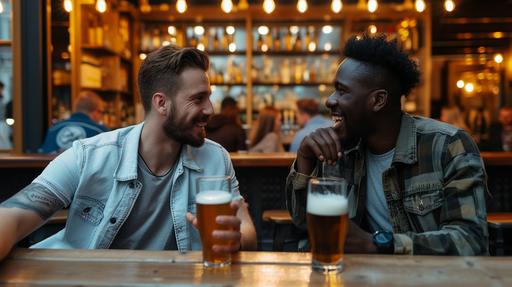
[282, 223]
[499, 221]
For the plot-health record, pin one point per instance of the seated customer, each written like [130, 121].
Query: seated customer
[416, 185]
[266, 134]
[83, 123]
[134, 188]
[226, 128]
[309, 120]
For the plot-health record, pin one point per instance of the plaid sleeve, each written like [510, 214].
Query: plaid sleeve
[463, 224]
[296, 195]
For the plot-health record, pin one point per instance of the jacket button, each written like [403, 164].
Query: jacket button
[131, 184]
[113, 220]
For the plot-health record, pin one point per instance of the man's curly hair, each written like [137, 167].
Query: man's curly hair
[378, 51]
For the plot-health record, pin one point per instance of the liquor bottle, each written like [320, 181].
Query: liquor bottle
[298, 43]
[216, 42]
[285, 71]
[225, 41]
[288, 41]
[259, 43]
[277, 40]
[193, 42]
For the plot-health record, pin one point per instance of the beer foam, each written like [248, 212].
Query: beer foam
[213, 197]
[327, 204]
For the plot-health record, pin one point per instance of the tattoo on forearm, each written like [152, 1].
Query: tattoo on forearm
[35, 197]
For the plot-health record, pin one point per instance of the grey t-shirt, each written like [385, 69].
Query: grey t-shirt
[149, 225]
[376, 205]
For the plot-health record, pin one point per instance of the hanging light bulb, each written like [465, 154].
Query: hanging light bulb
[269, 6]
[232, 47]
[230, 30]
[226, 6]
[181, 6]
[243, 5]
[420, 5]
[68, 5]
[372, 5]
[449, 5]
[302, 6]
[336, 6]
[101, 6]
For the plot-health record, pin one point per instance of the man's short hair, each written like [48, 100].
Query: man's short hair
[378, 51]
[2, 85]
[161, 69]
[228, 102]
[88, 102]
[308, 106]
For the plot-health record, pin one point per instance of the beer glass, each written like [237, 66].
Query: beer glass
[213, 198]
[327, 219]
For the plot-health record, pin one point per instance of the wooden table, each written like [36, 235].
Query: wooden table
[150, 268]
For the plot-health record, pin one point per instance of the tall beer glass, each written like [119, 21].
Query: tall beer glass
[327, 218]
[213, 198]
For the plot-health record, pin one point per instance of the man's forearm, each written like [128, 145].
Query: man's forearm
[8, 230]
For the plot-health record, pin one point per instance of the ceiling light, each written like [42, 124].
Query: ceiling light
[181, 6]
[232, 47]
[498, 58]
[230, 30]
[372, 5]
[336, 6]
[101, 6]
[199, 30]
[420, 5]
[449, 5]
[302, 6]
[469, 87]
[327, 29]
[226, 6]
[460, 84]
[68, 6]
[171, 30]
[263, 30]
[269, 6]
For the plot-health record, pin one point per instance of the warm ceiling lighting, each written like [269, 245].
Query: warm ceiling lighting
[269, 6]
[372, 28]
[336, 6]
[101, 6]
[142, 56]
[68, 5]
[302, 6]
[226, 6]
[419, 5]
[200, 46]
[460, 84]
[294, 29]
[199, 30]
[263, 30]
[327, 29]
[372, 5]
[181, 6]
[232, 47]
[171, 30]
[243, 5]
[498, 58]
[230, 30]
[311, 46]
[497, 35]
[469, 87]
[449, 5]
[264, 48]
[327, 46]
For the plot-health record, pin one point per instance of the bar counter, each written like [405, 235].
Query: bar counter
[238, 159]
[152, 268]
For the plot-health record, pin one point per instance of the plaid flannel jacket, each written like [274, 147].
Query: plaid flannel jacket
[435, 190]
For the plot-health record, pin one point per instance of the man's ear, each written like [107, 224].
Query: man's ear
[159, 103]
[378, 100]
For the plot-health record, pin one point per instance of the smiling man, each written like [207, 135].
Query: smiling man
[416, 185]
[134, 188]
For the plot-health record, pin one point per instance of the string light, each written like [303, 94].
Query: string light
[372, 5]
[269, 6]
[469, 87]
[327, 29]
[199, 30]
[68, 5]
[101, 6]
[336, 6]
[230, 30]
[302, 6]
[181, 6]
[243, 5]
[449, 5]
[263, 30]
[226, 6]
[171, 30]
[420, 5]
[232, 47]
[460, 84]
[498, 58]
[373, 29]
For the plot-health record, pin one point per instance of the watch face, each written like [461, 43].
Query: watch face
[383, 237]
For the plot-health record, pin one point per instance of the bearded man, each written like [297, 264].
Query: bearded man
[134, 188]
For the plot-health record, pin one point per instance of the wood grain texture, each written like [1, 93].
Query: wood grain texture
[143, 268]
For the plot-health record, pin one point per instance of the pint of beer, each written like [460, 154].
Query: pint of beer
[327, 219]
[213, 198]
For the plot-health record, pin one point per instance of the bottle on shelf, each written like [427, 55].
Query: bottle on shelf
[288, 41]
[216, 43]
[259, 43]
[225, 41]
[276, 40]
[298, 43]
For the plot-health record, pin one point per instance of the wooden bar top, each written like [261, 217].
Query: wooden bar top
[239, 160]
[150, 268]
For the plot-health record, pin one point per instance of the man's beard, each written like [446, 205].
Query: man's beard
[181, 133]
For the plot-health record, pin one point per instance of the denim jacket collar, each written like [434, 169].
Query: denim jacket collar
[405, 148]
[127, 166]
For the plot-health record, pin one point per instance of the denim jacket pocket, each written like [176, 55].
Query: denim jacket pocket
[89, 209]
[424, 202]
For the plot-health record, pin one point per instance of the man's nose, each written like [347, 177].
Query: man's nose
[331, 101]
[208, 109]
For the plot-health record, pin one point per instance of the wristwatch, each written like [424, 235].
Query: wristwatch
[384, 241]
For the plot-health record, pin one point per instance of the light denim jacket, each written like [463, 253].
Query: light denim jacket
[97, 180]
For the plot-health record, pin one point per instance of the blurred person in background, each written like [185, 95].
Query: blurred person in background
[226, 128]
[83, 123]
[309, 120]
[453, 116]
[5, 129]
[266, 134]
